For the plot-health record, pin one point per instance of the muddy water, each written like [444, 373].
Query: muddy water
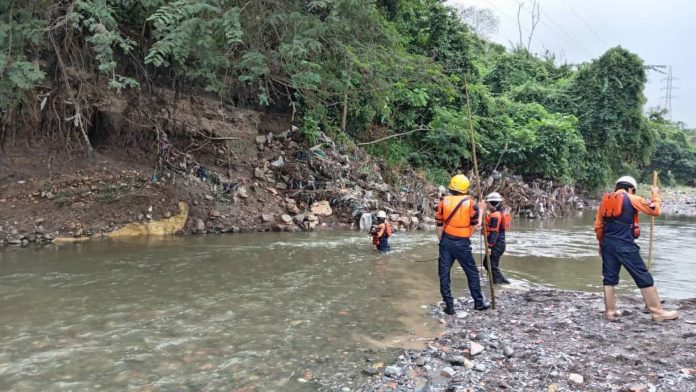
[290, 312]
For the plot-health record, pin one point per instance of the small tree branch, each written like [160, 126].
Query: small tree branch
[391, 136]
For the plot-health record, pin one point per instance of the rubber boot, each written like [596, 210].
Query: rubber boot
[449, 308]
[652, 302]
[499, 278]
[610, 312]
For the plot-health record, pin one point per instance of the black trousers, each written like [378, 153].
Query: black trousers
[458, 248]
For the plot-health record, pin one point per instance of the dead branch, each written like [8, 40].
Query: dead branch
[392, 136]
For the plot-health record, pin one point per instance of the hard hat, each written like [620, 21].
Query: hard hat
[629, 180]
[494, 196]
[459, 183]
[382, 214]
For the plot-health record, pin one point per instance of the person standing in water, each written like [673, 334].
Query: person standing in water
[497, 223]
[381, 232]
[617, 227]
[457, 216]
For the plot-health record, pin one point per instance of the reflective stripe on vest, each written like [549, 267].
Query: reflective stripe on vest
[460, 224]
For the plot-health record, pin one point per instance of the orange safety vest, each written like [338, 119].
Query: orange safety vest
[504, 221]
[460, 224]
[611, 207]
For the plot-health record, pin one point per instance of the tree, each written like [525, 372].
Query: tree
[482, 21]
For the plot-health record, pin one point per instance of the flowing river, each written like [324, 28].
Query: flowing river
[264, 312]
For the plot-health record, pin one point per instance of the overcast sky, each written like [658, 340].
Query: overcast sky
[660, 32]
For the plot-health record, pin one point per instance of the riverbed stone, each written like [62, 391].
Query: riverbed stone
[479, 367]
[576, 378]
[285, 218]
[475, 349]
[457, 360]
[370, 371]
[393, 371]
[447, 372]
[200, 225]
[267, 217]
[508, 351]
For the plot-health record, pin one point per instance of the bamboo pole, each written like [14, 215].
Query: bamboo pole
[652, 228]
[489, 270]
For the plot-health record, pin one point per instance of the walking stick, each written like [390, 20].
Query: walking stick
[652, 228]
[478, 181]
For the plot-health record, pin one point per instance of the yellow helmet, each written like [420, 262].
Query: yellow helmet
[459, 183]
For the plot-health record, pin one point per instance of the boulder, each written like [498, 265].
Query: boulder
[285, 218]
[321, 208]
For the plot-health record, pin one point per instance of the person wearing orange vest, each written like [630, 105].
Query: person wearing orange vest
[497, 223]
[616, 227]
[457, 216]
[381, 232]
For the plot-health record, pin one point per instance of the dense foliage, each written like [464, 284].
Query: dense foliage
[358, 70]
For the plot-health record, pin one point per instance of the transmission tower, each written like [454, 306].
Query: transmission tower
[668, 87]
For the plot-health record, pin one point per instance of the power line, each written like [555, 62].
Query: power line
[600, 20]
[568, 38]
[585, 23]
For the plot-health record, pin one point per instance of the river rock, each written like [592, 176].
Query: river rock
[321, 208]
[39, 221]
[447, 372]
[259, 173]
[242, 192]
[370, 371]
[576, 378]
[457, 360]
[215, 213]
[299, 218]
[285, 218]
[261, 139]
[475, 349]
[278, 163]
[312, 218]
[267, 217]
[508, 351]
[479, 367]
[200, 225]
[393, 371]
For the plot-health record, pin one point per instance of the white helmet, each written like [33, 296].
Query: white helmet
[382, 214]
[494, 196]
[628, 179]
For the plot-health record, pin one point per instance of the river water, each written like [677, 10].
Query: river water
[263, 312]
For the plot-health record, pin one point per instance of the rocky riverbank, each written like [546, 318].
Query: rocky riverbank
[549, 340]
[679, 201]
[236, 170]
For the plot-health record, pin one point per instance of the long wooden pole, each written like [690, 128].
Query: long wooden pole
[489, 270]
[652, 228]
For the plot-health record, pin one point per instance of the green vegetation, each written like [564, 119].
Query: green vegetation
[395, 66]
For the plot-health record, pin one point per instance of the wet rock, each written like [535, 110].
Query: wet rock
[475, 349]
[508, 351]
[393, 371]
[447, 372]
[576, 378]
[321, 208]
[370, 371]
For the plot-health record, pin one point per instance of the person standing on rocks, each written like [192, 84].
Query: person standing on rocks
[381, 232]
[616, 227]
[457, 216]
[497, 223]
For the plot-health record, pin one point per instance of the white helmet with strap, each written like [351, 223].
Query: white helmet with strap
[494, 196]
[628, 180]
[382, 214]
